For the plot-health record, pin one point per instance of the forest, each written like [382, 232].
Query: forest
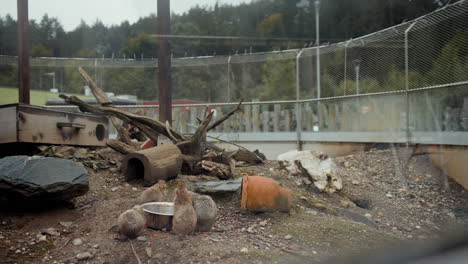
[259, 26]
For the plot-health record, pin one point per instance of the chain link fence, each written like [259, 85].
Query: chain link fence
[407, 78]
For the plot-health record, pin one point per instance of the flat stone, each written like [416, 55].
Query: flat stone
[51, 232]
[84, 255]
[77, 242]
[244, 250]
[263, 223]
[66, 224]
[114, 170]
[217, 186]
[40, 178]
[142, 238]
[287, 237]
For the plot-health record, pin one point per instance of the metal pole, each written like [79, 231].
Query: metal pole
[346, 66]
[229, 78]
[23, 52]
[408, 132]
[298, 105]
[317, 36]
[164, 61]
[357, 77]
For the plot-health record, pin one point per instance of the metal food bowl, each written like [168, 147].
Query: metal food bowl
[159, 208]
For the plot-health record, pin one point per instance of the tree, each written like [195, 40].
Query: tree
[41, 51]
[141, 44]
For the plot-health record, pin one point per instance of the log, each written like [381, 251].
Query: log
[119, 146]
[247, 156]
[157, 163]
[223, 172]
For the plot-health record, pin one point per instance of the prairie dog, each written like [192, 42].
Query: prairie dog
[185, 217]
[131, 222]
[206, 211]
[155, 193]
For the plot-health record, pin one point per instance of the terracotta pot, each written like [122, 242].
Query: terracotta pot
[147, 144]
[261, 194]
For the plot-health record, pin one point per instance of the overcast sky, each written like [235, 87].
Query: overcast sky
[71, 12]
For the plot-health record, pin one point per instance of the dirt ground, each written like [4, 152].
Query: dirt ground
[377, 207]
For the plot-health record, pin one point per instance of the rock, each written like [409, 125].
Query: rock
[77, 242]
[18, 251]
[366, 219]
[287, 237]
[244, 250]
[298, 182]
[347, 203]
[84, 255]
[114, 189]
[380, 214]
[318, 166]
[96, 246]
[149, 252]
[66, 224]
[51, 232]
[354, 182]
[114, 170]
[134, 189]
[41, 178]
[217, 186]
[389, 195]
[451, 215]
[263, 223]
[142, 238]
[306, 181]
[250, 230]
[80, 156]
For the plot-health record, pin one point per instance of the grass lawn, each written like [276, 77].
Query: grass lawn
[10, 95]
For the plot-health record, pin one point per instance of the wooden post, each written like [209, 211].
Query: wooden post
[247, 116]
[23, 52]
[164, 61]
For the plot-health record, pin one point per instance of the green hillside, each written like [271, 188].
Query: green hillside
[10, 95]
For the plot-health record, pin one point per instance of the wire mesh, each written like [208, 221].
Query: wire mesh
[438, 47]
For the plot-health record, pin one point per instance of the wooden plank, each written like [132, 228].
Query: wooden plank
[38, 125]
[9, 124]
[276, 117]
[265, 121]
[247, 118]
[255, 118]
[287, 120]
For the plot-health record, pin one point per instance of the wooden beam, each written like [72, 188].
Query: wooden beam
[164, 62]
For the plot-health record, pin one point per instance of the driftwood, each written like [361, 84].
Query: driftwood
[104, 100]
[222, 171]
[119, 146]
[192, 148]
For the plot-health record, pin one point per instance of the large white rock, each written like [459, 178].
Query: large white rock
[320, 167]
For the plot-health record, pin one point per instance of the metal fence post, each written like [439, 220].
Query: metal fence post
[408, 132]
[345, 65]
[229, 78]
[298, 105]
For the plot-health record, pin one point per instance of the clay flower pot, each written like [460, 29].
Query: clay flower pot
[261, 194]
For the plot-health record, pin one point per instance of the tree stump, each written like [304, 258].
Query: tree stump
[157, 163]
